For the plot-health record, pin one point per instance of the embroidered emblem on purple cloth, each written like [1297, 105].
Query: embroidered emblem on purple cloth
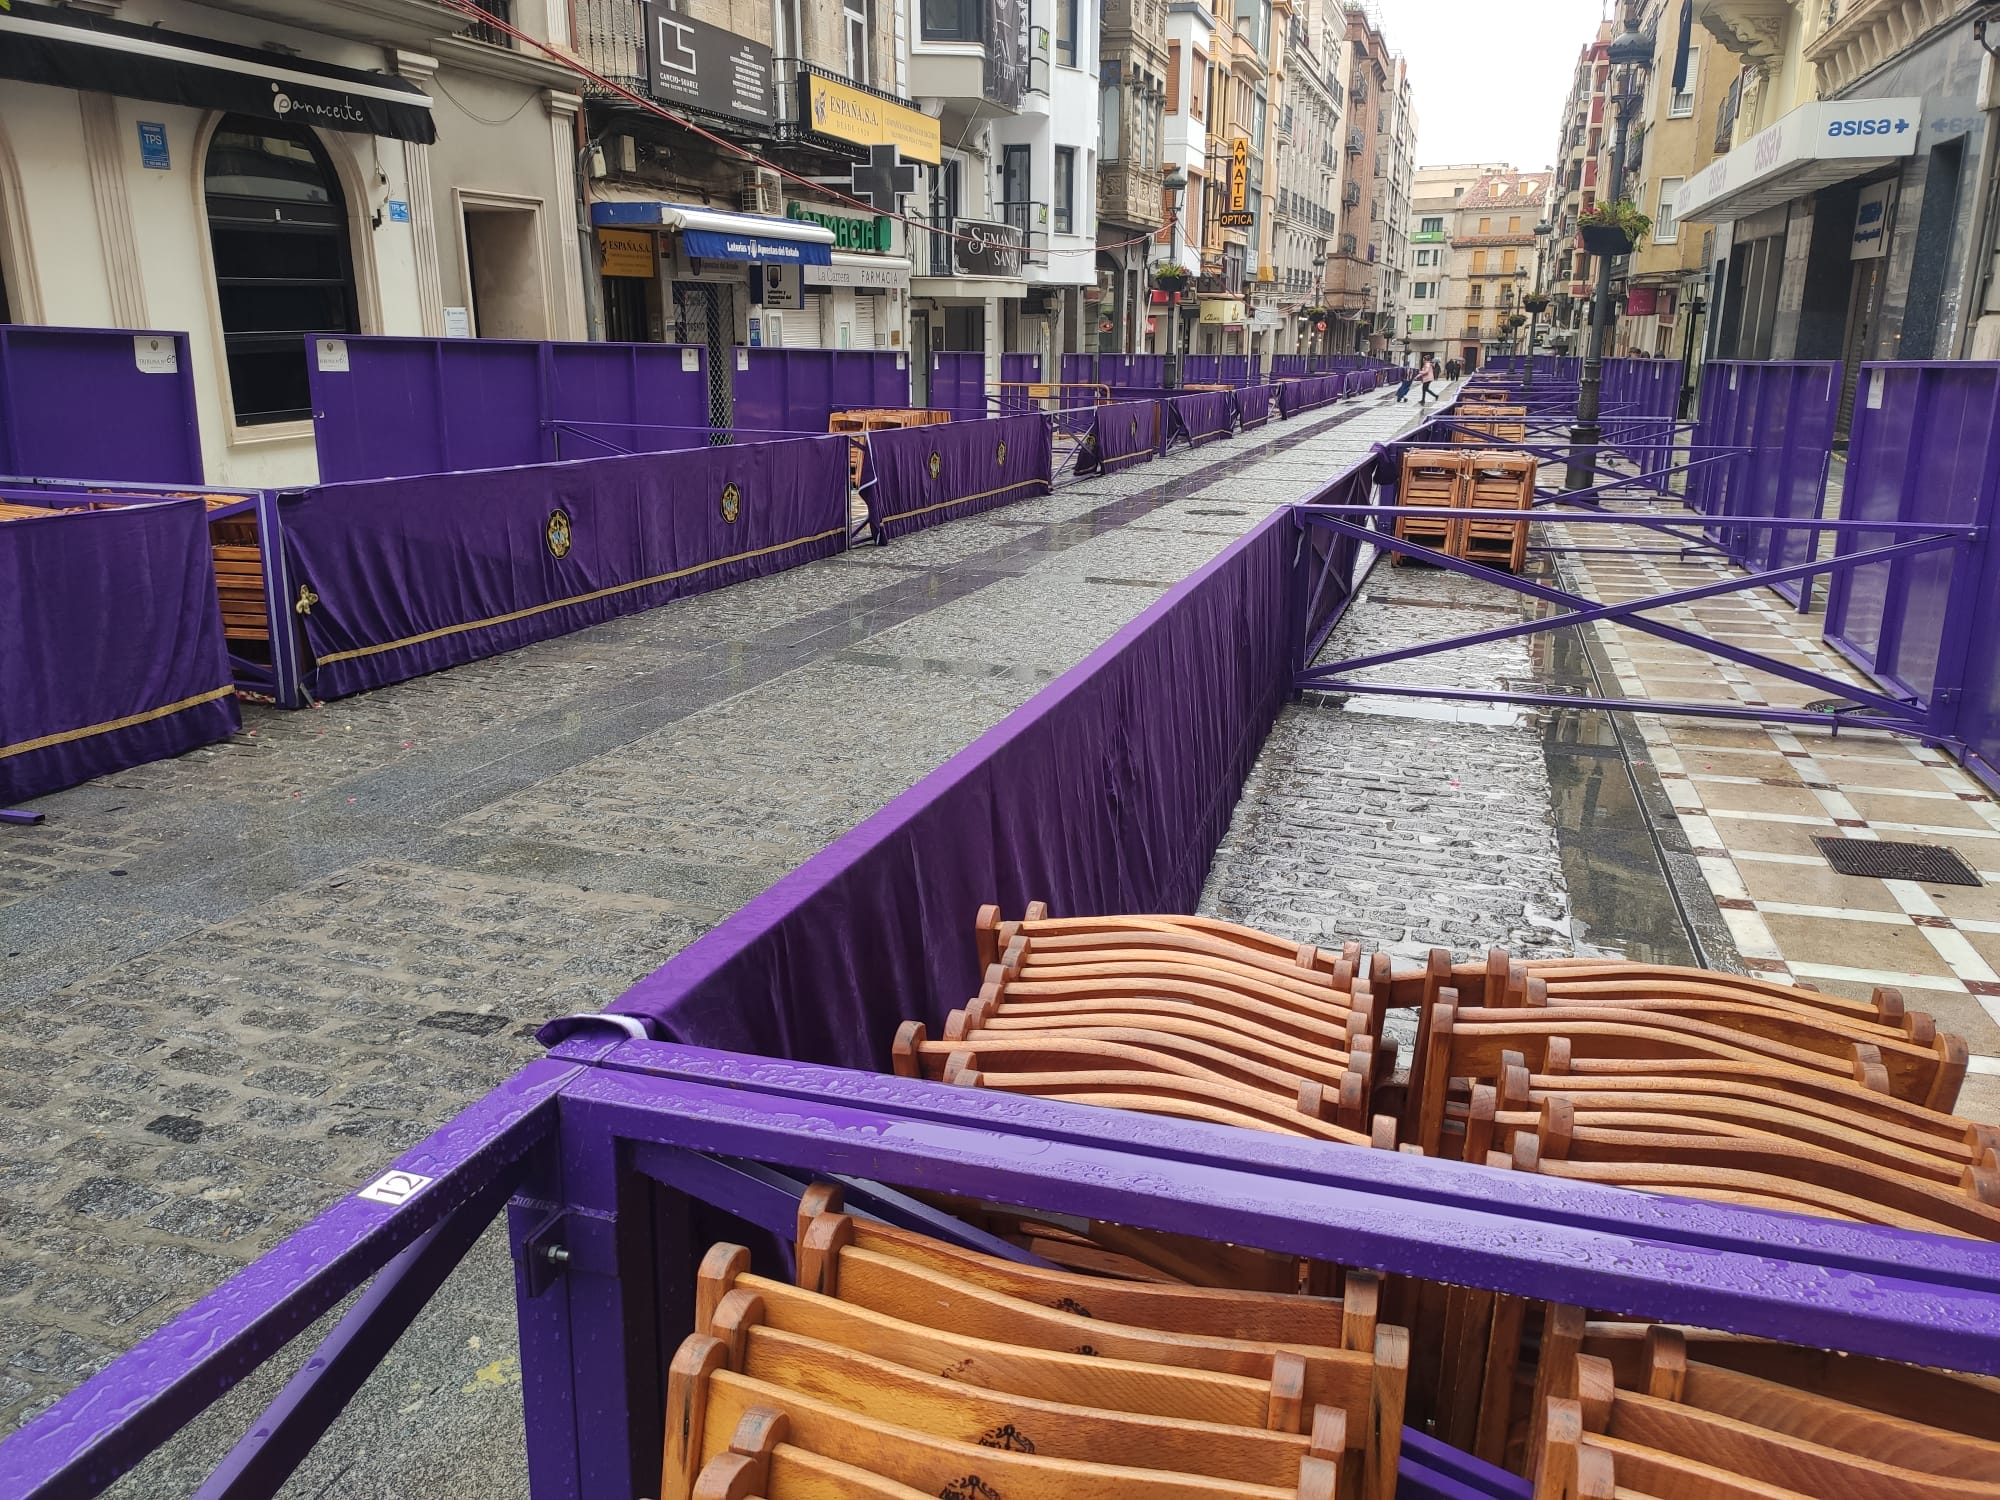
[732, 503]
[937, 463]
[1000, 454]
[560, 533]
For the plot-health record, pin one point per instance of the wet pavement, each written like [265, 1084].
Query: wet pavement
[234, 983]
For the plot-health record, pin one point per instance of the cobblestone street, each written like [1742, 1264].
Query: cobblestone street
[236, 982]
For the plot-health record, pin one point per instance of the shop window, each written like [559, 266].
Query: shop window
[1066, 32]
[277, 227]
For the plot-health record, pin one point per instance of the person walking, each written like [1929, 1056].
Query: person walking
[1425, 377]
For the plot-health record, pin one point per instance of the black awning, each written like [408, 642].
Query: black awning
[75, 50]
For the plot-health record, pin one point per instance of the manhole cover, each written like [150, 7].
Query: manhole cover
[1884, 859]
[1840, 706]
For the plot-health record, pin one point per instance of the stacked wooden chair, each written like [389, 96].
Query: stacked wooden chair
[1489, 422]
[1497, 481]
[900, 1365]
[1629, 1410]
[1170, 1016]
[1432, 479]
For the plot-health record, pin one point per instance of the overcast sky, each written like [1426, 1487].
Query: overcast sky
[1490, 76]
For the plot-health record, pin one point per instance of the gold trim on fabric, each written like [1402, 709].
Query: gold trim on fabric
[622, 588]
[67, 735]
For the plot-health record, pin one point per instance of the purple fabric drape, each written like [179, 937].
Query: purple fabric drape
[57, 386]
[796, 390]
[1108, 792]
[412, 575]
[114, 653]
[1122, 433]
[925, 476]
[1253, 405]
[1205, 416]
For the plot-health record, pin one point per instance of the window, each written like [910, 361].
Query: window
[1485, 226]
[1173, 78]
[854, 26]
[1432, 226]
[950, 20]
[1197, 85]
[1667, 229]
[1478, 264]
[1514, 224]
[1681, 106]
[1108, 112]
[1065, 189]
[1510, 262]
[1066, 32]
[277, 227]
[788, 38]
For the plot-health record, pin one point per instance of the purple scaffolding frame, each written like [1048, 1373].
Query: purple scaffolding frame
[586, 1140]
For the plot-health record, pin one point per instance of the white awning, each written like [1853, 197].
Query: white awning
[889, 272]
[1814, 146]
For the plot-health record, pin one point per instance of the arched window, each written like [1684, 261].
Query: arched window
[284, 269]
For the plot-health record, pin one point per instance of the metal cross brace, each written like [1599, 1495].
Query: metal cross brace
[1900, 713]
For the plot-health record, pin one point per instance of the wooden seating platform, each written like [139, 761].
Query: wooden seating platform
[876, 419]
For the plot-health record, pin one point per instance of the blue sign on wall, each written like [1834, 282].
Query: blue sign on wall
[153, 147]
[399, 211]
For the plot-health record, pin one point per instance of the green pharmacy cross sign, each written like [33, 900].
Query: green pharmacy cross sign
[870, 235]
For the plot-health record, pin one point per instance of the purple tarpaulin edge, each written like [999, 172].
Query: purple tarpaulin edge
[114, 653]
[407, 576]
[1122, 433]
[979, 465]
[1106, 792]
[1204, 416]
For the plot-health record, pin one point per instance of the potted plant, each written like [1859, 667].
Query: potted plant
[1170, 276]
[1536, 303]
[1519, 320]
[1612, 229]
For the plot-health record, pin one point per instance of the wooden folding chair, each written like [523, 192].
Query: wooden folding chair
[708, 1404]
[1175, 1309]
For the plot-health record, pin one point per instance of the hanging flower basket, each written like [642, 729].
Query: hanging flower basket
[1606, 240]
[1170, 277]
[1536, 303]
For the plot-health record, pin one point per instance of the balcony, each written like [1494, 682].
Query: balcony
[1030, 220]
[610, 40]
[1356, 141]
[1351, 195]
[491, 35]
[1035, 98]
[965, 58]
[1130, 196]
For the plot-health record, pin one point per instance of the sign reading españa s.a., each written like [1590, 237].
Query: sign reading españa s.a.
[851, 115]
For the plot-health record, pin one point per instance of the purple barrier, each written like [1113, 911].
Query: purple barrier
[1201, 417]
[924, 476]
[1253, 405]
[114, 652]
[1333, 565]
[797, 390]
[1295, 396]
[1284, 365]
[1121, 433]
[1783, 414]
[408, 576]
[1201, 369]
[97, 403]
[1020, 369]
[389, 407]
[1924, 449]
[1641, 398]
[958, 383]
[1079, 369]
[1107, 792]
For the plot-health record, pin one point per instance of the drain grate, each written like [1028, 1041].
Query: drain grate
[1934, 864]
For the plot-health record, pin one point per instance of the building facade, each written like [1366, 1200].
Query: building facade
[1132, 98]
[1364, 270]
[370, 169]
[1434, 286]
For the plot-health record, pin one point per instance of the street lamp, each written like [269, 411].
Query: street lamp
[1176, 183]
[1628, 55]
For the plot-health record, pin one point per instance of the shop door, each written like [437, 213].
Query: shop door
[705, 315]
[1862, 307]
[864, 322]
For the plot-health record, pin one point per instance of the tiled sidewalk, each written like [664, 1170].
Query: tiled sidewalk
[1750, 799]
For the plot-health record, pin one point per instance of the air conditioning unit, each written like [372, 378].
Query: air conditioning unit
[763, 192]
[625, 153]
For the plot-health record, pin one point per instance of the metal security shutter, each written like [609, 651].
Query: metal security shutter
[864, 322]
[801, 325]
